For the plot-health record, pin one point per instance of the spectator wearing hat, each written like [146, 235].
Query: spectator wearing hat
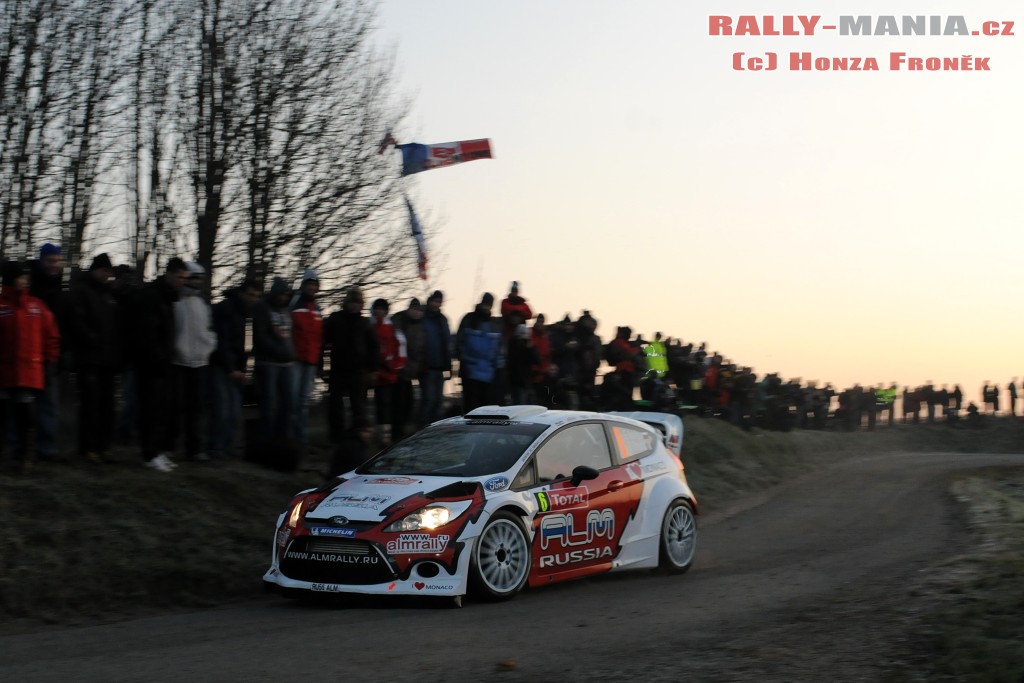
[351, 346]
[47, 285]
[308, 336]
[29, 339]
[409, 323]
[194, 341]
[437, 362]
[478, 347]
[228, 365]
[391, 342]
[274, 370]
[153, 339]
[94, 337]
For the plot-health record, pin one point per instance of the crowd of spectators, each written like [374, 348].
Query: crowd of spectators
[158, 367]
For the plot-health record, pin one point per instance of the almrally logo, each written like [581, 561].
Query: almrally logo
[411, 544]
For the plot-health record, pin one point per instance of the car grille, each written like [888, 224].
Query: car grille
[335, 560]
[333, 545]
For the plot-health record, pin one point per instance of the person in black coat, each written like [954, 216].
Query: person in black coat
[352, 347]
[152, 340]
[94, 336]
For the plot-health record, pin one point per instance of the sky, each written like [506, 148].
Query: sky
[844, 227]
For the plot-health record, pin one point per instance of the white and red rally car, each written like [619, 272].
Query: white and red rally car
[491, 502]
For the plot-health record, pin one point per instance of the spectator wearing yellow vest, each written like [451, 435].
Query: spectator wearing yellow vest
[657, 358]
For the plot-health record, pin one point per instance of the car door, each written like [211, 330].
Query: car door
[578, 524]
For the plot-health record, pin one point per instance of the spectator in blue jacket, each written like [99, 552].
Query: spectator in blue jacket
[228, 367]
[478, 348]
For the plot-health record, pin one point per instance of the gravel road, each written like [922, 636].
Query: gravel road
[809, 582]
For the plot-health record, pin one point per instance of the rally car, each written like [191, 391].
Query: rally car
[489, 503]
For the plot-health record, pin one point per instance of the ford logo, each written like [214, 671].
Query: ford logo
[496, 484]
[339, 520]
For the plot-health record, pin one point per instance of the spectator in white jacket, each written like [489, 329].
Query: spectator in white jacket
[194, 341]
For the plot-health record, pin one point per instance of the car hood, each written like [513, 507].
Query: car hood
[367, 497]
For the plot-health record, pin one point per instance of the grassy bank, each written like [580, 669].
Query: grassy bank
[80, 543]
[970, 626]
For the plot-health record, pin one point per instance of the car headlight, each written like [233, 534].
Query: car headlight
[303, 504]
[430, 517]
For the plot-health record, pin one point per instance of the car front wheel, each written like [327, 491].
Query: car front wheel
[678, 537]
[501, 558]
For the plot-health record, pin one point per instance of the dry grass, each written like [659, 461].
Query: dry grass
[972, 631]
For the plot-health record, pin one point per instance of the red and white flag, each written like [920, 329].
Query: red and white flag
[417, 157]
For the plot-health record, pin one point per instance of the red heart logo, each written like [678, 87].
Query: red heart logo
[420, 585]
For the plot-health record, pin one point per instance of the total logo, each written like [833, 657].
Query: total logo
[565, 499]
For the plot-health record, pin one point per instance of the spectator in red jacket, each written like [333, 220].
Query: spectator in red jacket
[514, 310]
[308, 338]
[29, 339]
[391, 341]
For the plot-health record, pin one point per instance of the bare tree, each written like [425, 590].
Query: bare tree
[293, 101]
[241, 131]
[58, 71]
[29, 61]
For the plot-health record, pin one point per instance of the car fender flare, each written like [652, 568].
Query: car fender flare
[512, 508]
[663, 491]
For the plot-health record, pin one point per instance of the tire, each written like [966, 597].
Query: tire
[501, 559]
[678, 537]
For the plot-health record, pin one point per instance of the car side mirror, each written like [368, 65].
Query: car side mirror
[581, 473]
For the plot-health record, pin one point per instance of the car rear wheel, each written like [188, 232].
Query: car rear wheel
[501, 558]
[678, 537]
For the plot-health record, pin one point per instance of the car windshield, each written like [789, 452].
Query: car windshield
[457, 450]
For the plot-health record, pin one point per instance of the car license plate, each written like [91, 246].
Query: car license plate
[326, 588]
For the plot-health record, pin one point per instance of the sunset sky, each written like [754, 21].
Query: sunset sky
[835, 226]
